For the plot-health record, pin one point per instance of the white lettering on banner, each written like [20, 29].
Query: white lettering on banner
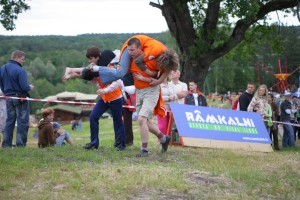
[218, 119]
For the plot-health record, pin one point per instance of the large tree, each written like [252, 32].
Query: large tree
[9, 12]
[206, 30]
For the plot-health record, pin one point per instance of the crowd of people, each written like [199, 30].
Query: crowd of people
[143, 75]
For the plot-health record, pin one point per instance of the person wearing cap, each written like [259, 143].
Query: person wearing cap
[288, 139]
[61, 135]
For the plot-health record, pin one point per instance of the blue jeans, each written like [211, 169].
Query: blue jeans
[16, 111]
[116, 109]
[65, 137]
[108, 75]
[288, 139]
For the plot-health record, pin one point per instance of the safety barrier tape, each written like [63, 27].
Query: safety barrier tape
[56, 101]
[288, 123]
[89, 103]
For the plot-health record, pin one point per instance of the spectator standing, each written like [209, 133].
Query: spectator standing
[180, 88]
[168, 96]
[13, 82]
[297, 128]
[2, 115]
[288, 139]
[74, 125]
[259, 101]
[268, 117]
[180, 91]
[80, 124]
[194, 96]
[275, 117]
[236, 102]
[294, 104]
[246, 97]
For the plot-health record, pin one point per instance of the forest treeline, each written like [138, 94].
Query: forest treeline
[48, 56]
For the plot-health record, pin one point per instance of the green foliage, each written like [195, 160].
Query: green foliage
[70, 172]
[9, 12]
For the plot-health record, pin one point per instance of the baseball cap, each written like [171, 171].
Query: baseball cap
[56, 125]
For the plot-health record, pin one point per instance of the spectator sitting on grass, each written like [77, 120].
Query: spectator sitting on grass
[61, 135]
[46, 127]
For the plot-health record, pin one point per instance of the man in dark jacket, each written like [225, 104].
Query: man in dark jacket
[13, 82]
[286, 110]
[194, 96]
[246, 97]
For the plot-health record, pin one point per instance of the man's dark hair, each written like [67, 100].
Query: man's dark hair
[92, 52]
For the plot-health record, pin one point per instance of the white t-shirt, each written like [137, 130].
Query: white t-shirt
[179, 87]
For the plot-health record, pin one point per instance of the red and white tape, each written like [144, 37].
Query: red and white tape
[56, 101]
[88, 103]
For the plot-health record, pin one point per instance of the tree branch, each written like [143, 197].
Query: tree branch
[211, 20]
[243, 25]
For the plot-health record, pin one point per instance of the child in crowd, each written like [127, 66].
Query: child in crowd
[62, 135]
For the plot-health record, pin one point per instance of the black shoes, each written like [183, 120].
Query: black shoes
[165, 145]
[143, 153]
[89, 146]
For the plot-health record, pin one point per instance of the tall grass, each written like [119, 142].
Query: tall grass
[71, 172]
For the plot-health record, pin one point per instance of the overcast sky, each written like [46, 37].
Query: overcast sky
[74, 17]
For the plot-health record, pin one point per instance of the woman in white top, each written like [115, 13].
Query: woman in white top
[168, 96]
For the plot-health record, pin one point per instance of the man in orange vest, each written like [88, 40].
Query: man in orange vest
[153, 56]
[111, 97]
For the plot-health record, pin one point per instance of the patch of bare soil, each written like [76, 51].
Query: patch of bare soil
[154, 194]
[206, 178]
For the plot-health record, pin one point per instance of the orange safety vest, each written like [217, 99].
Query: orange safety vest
[117, 93]
[151, 48]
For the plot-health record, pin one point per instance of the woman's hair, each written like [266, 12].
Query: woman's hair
[168, 61]
[260, 87]
[46, 112]
[92, 52]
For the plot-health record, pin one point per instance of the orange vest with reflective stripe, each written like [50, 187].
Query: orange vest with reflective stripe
[111, 95]
[151, 48]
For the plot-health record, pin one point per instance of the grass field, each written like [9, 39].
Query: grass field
[71, 172]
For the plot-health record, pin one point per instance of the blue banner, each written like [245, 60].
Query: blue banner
[219, 124]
